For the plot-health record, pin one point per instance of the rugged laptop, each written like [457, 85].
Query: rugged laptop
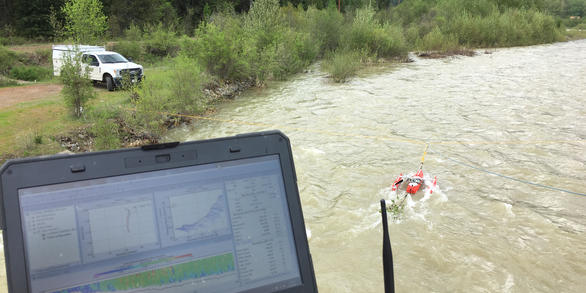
[220, 215]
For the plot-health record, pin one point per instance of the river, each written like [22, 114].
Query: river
[519, 112]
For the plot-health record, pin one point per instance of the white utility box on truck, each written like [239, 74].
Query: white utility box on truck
[104, 66]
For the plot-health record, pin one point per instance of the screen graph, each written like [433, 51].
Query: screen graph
[159, 279]
[200, 214]
[122, 227]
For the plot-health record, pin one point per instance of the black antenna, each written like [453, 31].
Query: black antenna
[387, 252]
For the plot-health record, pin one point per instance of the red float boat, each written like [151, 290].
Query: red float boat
[413, 183]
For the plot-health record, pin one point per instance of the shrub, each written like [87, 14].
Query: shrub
[7, 60]
[85, 20]
[342, 64]
[219, 51]
[29, 139]
[77, 87]
[161, 41]
[377, 40]
[149, 106]
[295, 52]
[175, 90]
[438, 41]
[187, 80]
[581, 26]
[30, 73]
[130, 49]
[325, 27]
[106, 134]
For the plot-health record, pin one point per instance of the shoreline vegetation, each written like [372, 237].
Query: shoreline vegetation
[190, 69]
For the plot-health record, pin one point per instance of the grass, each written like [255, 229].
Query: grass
[574, 34]
[43, 119]
[342, 64]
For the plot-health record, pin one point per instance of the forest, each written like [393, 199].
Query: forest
[32, 19]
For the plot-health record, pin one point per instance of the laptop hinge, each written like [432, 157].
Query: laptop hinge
[159, 146]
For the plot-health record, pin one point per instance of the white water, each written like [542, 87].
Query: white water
[478, 232]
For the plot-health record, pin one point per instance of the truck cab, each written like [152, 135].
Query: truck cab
[104, 66]
[110, 68]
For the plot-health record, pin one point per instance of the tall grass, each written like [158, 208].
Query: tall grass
[342, 64]
[378, 40]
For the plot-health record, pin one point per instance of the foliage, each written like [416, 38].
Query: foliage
[85, 21]
[172, 91]
[29, 139]
[376, 39]
[512, 27]
[187, 80]
[396, 208]
[437, 41]
[7, 60]
[219, 50]
[342, 64]
[56, 24]
[161, 41]
[106, 134]
[4, 82]
[30, 73]
[130, 49]
[77, 87]
[40, 57]
[325, 27]
[123, 14]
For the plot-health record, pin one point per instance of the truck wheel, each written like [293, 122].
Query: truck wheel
[109, 83]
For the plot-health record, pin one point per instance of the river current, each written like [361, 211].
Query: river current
[518, 112]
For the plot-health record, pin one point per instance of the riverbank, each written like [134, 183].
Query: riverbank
[230, 53]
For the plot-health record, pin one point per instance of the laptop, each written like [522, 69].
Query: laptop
[219, 215]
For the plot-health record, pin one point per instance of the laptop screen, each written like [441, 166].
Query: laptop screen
[221, 227]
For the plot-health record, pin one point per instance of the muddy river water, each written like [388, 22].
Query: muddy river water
[517, 112]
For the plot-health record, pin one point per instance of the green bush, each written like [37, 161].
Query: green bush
[185, 87]
[77, 87]
[342, 64]
[7, 60]
[177, 90]
[295, 52]
[326, 27]
[478, 23]
[438, 41]
[219, 50]
[106, 134]
[30, 73]
[161, 41]
[376, 39]
[131, 49]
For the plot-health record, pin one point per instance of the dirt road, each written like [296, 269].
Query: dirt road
[13, 95]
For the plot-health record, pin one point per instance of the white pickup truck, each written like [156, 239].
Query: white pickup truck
[104, 66]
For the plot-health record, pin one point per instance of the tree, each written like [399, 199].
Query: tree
[85, 22]
[77, 87]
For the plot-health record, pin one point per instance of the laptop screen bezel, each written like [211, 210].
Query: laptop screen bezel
[35, 172]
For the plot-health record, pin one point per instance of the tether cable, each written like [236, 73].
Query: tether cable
[509, 177]
[400, 140]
